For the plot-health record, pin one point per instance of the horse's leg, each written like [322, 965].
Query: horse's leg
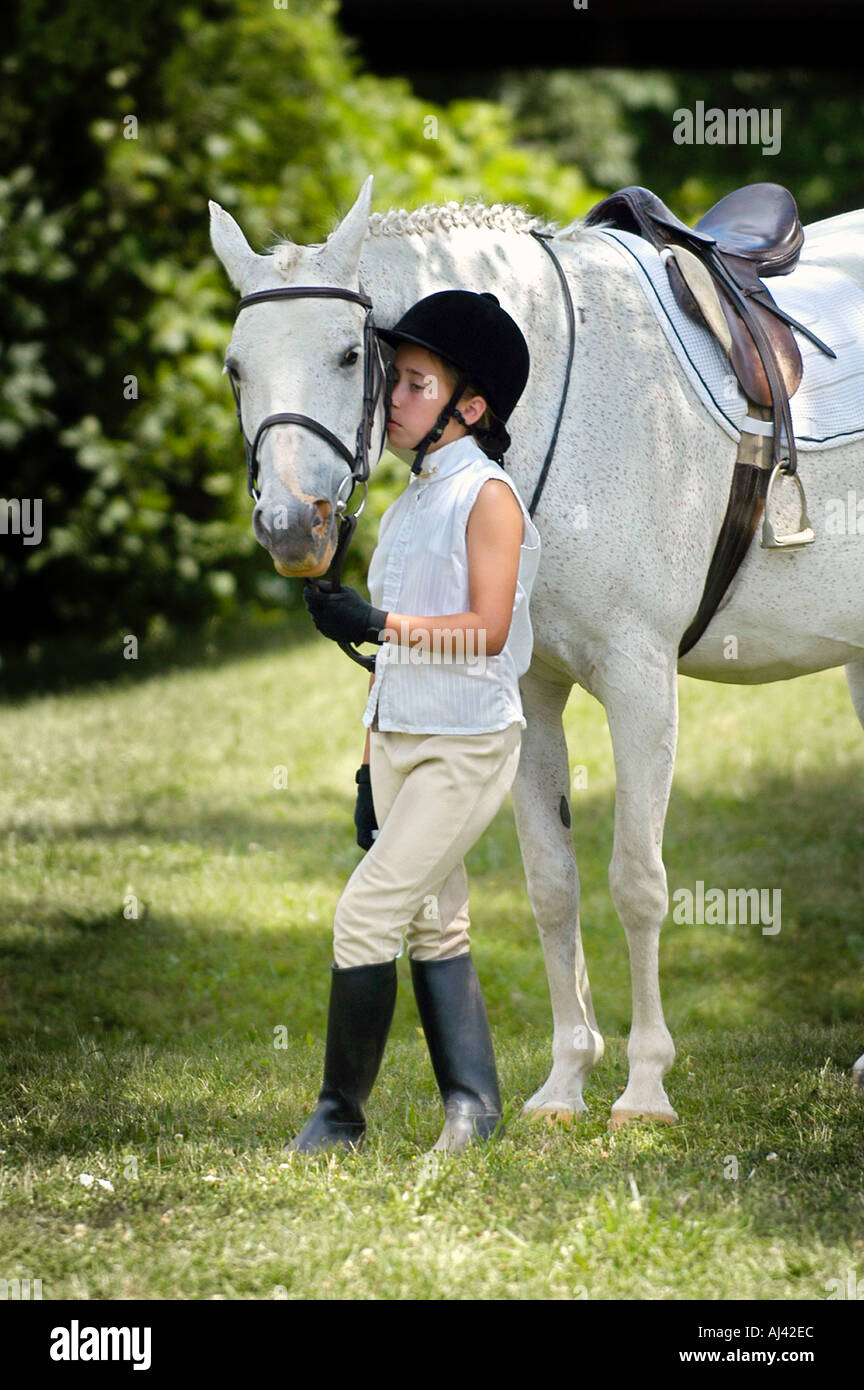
[855, 677]
[546, 843]
[638, 686]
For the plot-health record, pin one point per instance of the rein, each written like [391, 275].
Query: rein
[542, 238]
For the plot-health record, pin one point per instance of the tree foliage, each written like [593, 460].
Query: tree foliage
[115, 311]
[118, 124]
[617, 126]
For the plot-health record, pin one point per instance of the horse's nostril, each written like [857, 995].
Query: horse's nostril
[324, 510]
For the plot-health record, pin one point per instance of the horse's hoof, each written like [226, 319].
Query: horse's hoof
[619, 1118]
[554, 1114]
[537, 1107]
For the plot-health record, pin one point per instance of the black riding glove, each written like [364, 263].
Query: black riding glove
[341, 614]
[364, 811]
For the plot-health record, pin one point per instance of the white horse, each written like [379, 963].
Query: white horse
[629, 516]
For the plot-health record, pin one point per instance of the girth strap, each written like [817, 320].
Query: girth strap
[743, 511]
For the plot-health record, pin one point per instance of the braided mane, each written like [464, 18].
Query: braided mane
[446, 217]
[435, 217]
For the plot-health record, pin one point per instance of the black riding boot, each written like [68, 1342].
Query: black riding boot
[362, 999]
[454, 1020]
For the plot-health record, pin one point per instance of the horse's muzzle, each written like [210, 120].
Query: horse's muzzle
[300, 538]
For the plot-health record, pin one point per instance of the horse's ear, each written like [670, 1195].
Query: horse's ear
[232, 248]
[342, 249]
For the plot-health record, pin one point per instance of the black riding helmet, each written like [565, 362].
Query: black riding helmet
[483, 344]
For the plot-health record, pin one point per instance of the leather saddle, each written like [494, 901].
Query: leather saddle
[716, 269]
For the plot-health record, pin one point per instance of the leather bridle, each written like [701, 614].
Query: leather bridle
[374, 378]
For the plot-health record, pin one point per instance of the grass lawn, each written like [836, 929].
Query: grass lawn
[174, 840]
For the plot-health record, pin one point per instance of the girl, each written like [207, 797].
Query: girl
[444, 731]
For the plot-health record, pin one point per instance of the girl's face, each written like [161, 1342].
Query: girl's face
[420, 391]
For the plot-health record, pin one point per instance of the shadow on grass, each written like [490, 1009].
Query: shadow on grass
[67, 664]
[234, 973]
[306, 838]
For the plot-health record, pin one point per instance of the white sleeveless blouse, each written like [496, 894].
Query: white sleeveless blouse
[420, 568]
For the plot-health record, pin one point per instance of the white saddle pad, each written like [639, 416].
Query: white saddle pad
[828, 407]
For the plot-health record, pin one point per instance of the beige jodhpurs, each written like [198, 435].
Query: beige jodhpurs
[434, 795]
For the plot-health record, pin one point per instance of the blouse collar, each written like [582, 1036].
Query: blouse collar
[451, 458]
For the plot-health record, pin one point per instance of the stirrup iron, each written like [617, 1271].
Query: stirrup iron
[793, 539]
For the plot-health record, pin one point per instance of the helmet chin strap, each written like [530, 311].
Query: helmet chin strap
[449, 411]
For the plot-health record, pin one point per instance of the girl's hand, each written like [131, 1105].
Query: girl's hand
[341, 614]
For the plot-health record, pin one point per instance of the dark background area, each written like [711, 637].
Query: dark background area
[428, 44]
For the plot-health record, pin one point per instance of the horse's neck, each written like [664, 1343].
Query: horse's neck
[398, 270]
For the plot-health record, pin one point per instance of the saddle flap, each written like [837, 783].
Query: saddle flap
[747, 361]
[702, 289]
[698, 295]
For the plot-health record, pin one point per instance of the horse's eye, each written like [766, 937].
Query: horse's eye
[350, 357]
